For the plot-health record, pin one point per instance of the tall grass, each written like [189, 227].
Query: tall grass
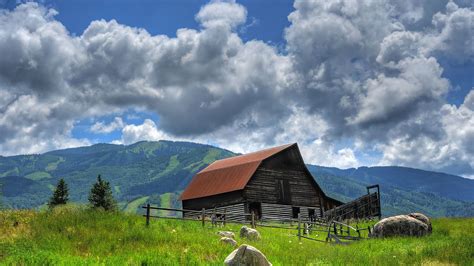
[76, 235]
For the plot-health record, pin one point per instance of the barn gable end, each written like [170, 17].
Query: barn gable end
[287, 168]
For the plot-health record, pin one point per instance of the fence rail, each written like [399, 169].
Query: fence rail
[363, 207]
[336, 231]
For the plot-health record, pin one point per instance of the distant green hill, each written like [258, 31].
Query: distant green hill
[402, 198]
[156, 172]
[134, 171]
[450, 186]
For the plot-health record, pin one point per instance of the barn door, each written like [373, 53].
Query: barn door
[256, 207]
[283, 191]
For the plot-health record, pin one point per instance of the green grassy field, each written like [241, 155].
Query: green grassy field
[75, 235]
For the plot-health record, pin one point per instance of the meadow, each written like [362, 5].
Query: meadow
[80, 236]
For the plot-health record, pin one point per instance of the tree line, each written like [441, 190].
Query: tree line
[100, 195]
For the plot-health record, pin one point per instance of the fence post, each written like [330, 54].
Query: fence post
[214, 218]
[335, 228]
[253, 220]
[225, 211]
[203, 216]
[148, 214]
[368, 227]
[299, 227]
[358, 232]
[378, 201]
[328, 238]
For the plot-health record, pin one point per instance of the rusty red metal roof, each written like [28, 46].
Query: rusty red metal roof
[227, 175]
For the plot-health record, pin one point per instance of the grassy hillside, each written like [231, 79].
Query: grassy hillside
[157, 172]
[135, 171]
[73, 235]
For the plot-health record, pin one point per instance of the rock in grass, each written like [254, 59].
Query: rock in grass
[246, 255]
[423, 218]
[249, 233]
[400, 225]
[229, 241]
[226, 234]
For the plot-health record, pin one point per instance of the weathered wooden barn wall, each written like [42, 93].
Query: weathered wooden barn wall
[233, 212]
[285, 212]
[273, 211]
[263, 188]
[286, 166]
[210, 202]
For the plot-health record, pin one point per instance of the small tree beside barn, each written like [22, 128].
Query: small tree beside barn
[272, 183]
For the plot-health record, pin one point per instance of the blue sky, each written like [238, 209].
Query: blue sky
[166, 16]
[354, 83]
[267, 21]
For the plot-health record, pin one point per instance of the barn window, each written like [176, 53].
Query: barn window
[295, 211]
[283, 191]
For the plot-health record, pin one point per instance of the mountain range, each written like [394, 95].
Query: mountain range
[157, 172]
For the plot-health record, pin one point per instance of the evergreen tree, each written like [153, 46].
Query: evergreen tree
[60, 195]
[101, 196]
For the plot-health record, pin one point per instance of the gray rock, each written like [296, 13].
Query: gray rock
[249, 233]
[248, 256]
[423, 218]
[228, 240]
[400, 225]
[226, 234]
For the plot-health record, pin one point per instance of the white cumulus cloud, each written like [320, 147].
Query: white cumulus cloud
[367, 75]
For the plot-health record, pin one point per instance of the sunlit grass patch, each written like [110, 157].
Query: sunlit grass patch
[77, 235]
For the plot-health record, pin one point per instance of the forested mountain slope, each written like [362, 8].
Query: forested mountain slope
[157, 172]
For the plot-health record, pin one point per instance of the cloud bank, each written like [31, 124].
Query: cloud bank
[360, 82]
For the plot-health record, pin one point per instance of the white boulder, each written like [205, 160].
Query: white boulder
[226, 234]
[249, 233]
[229, 241]
[246, 255]
[400, 225]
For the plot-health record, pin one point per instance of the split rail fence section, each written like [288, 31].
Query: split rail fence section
[335, 231]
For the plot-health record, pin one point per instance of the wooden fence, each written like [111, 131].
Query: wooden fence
[336, 231]
[367, 206]
[204, 215]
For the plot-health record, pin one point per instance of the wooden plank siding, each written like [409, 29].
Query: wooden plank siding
[272, 211]
[285, 212]
[262, 187]
[220, 200]
[235, 213]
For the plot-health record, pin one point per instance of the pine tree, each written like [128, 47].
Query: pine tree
[60, 195]
[101, 196]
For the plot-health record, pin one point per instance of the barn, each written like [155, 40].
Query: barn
[272, 183]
